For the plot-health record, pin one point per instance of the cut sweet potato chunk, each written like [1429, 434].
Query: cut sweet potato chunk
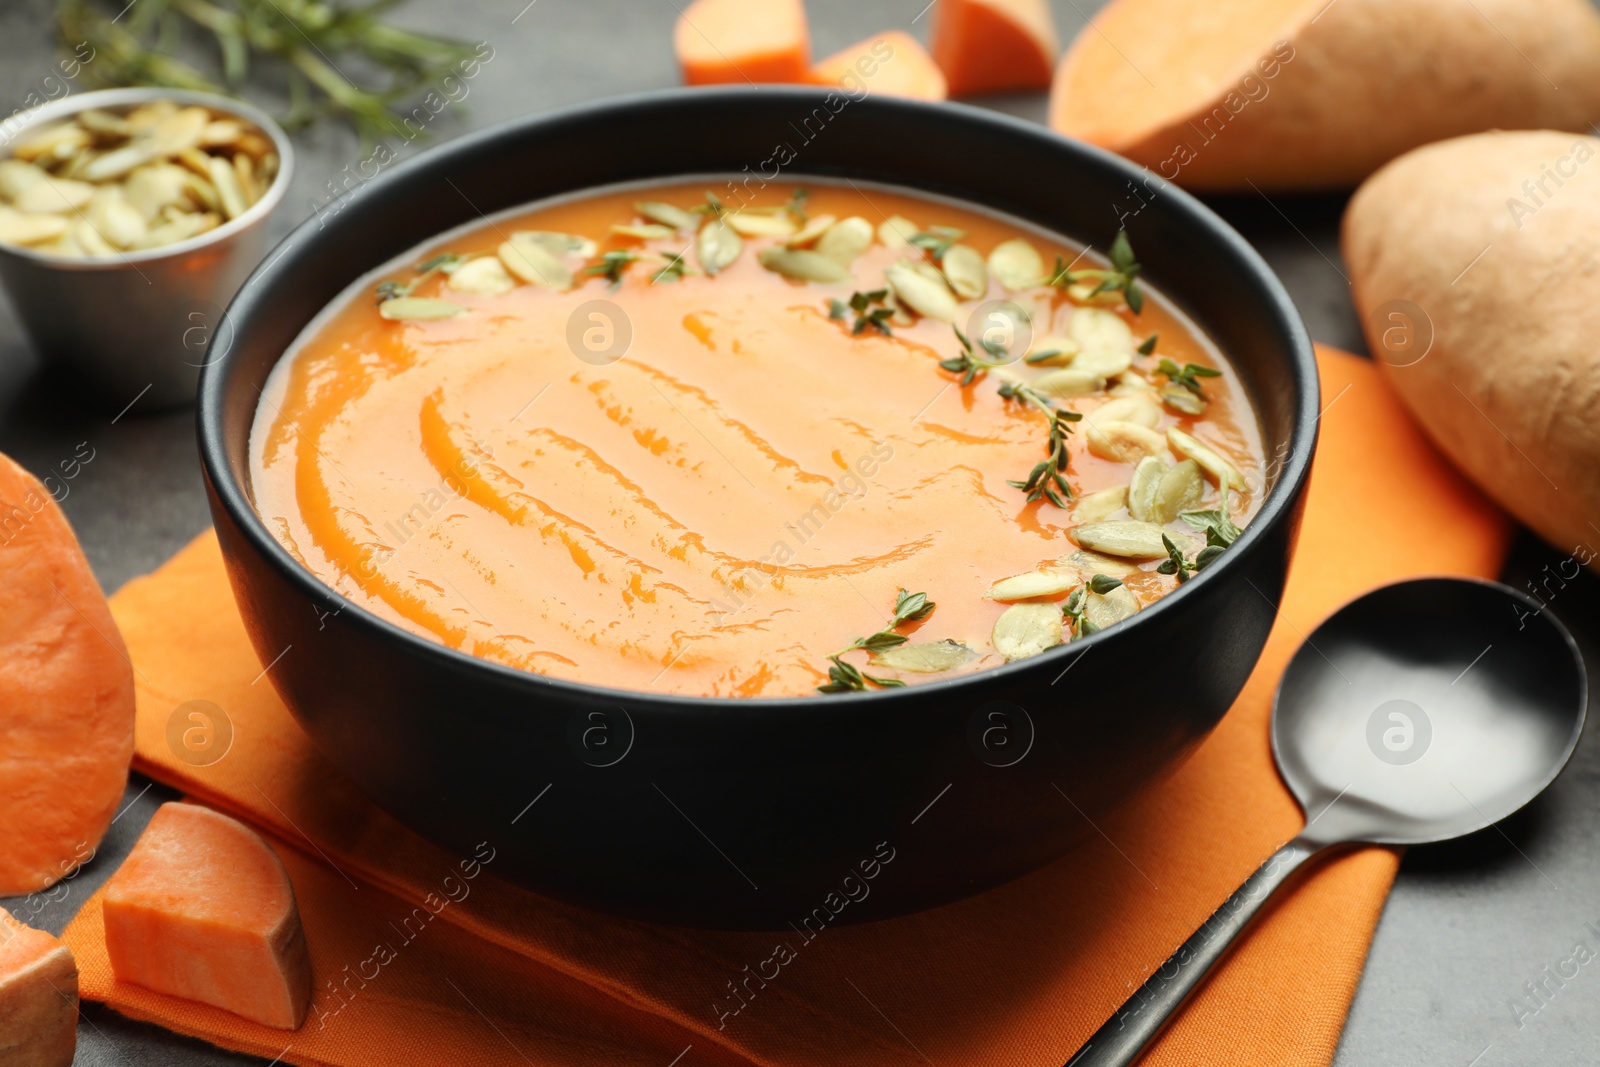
[66, 694]
[1263, 95]
[38, 997]
[892, 63]
[743, 41]
[994, 46]
[202, 909]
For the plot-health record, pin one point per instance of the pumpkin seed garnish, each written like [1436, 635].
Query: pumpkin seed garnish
[1025, 630]
[666, 214]
[1123, 538]
[717, 246]
[928, 297]
[1032, 584]
[964, 270]
[1123, 442]
[896, 231]
[444, 263]
[612, 264]
[1016, 264]
[931, 657]
[1052, 351]
[867, 317]
[527, 257]
[802, 265]
[1069, 382]
[1101, 603]
[1100, 505]
[751, 224]
[846, 677]
[811, 231]
[651, 231]
[418, 309]
[1224, 472]
[845, 240]
[482, 274]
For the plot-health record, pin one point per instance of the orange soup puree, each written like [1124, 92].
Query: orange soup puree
[672, 480]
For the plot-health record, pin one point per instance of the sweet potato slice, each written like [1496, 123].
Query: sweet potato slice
[892, 63]
[202, 909]
[38, 997]
[994, 46]
[1304, 94]
[743, 41]
[66, 694]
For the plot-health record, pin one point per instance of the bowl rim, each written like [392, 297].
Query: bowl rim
[1277, 509]
[75, 103]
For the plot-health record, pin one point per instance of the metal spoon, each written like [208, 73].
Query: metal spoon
[1422, 711]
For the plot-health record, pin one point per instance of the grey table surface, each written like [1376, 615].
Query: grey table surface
[1468, 926]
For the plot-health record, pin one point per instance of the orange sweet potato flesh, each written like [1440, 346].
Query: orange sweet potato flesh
[38, 997]
[892, 63]
[994, 46]
[202, 909]
[743, 41]
[66, 694]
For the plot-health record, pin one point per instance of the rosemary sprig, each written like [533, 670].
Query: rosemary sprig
[674, 268]
[444, 263]
[1187, 377]
[1048, 478]
[612, 264]
[308, 43]
[969, 364]
[1123, 276]
[936, 240]
[867, 317]
[847, 677]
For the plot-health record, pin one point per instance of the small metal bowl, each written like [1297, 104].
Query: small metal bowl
[136, 326]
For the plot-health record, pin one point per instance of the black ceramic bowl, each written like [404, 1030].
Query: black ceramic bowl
[758, 813]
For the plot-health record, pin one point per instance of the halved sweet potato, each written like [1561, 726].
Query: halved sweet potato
[994, 46]
[202, 909]
[892, 63]
[743, 41]
[66, 694]
[1304, 94]
[38, 997]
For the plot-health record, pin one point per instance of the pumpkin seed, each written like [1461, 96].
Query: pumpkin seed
[1123, 538]
[23, 228]
[226, 181]
[802, 265]
[145, 116]
[1123, 442]
[118, 221]
[813, 229]
[1181, 489]
[1088, 564]
[1220, 469]
[482, 274]
[930, 657]
[219, 133]
[1068, 382]
[896, 232]
[1143, 486]
[717, 246]
[928, 298]
[418, 309]
[54, 195]
[556, 243]
[1130, 384]
[666, 214]
[526, 258]
[53, 142]
[1024, 630]
[180, 227]
[1100, 505]
[754, 224]
[1097, 330]
[1084, 293]
[247, 178]
[16, 176]
[1106, 363]
[1139, 409]
[964, 269]
[90, 239]
[1030, 585]
[846, 239]
[1178, 398]
[651, 231]
[1104, 610]
[1053, 351]
[1016, 264]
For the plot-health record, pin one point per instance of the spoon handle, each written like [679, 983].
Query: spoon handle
[1142, 1016]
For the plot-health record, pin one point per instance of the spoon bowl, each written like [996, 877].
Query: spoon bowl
[1427, 710]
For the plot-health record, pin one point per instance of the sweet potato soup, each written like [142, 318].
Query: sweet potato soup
[828, 439]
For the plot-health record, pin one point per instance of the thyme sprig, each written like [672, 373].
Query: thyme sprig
[936, 240]
[1220, 533]
[1149, 344]
[444, 263]
[847, 677]
[1048, 478]
[1123, 276]
[1073, 609]
[612, 264]
[867, 317]
[969, 364]
[673, 268]
[1187, 377]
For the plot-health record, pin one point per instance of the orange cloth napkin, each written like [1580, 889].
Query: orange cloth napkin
[484, 973]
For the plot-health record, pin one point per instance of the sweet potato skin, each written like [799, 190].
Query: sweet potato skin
[1349, 86]
[38, 998]
[66, 694]
[203, 909]
[994, 46]
[1494, 241]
